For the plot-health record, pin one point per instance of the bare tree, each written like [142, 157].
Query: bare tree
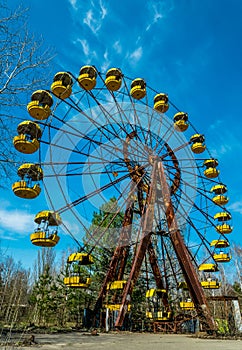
[23, 60]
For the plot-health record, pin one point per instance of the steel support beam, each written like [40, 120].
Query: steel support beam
[147, 227]
[183, 256]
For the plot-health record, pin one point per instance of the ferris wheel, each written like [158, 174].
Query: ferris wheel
[97, 136]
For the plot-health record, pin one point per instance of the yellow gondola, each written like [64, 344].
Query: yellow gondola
[211, 171]
[116, 285]
[116, 307]
[161, 103]
[49, 216]
[82, 258]
[42, 236]
[150, 293]
[87, 77]
[222, 216]
[224, 229]
[138, 89]
[25, 188]
[222, 257]
[113, 79]
[197, 142]
[44, 239]
[62, 85]
[219, 191]
[219, 243]
[180, 121]
[220, 200]
[156, 310]
[208, 268]
[162, 316]
[210, 284]
[77, 282]
[39, 107]
[75, 278]
[28, 136]
[159, 315]
[187, 305]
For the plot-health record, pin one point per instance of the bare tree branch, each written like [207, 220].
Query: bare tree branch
[24, 68]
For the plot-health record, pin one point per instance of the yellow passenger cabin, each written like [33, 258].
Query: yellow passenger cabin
[222, 216]
[180, 121]
[113, 79]
[138, 89]
[219, 191]
[211, 172]
[76, 271]
[46, 235]
[197, 143]
[116, 285]
[39, 107]
[28, 186]
[82, 258]
[208, 267]
[77, 282]
[116, 307]
[44, 239]
[62, 85]
[222, 257]
[219, 243]
[27, 140]
[210, 284]
[87, 77]
[48, 216]
[187, 305]
[224, 229]
[161, 103]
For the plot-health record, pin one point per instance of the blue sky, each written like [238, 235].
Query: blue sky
[188, 48]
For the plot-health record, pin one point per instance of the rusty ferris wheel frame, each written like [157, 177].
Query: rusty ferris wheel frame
[103, 135]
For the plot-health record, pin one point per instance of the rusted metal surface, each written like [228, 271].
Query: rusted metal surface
[147, 226]
[183, 256]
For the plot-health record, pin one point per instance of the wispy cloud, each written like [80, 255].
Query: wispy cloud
[221, 150]
[159, 10]
[157, 15]
[236, 207]
[85, 46]
[117, 47]
[106, 63]
[136, 54]
[17, 221]
[73, 4]
[95, 16]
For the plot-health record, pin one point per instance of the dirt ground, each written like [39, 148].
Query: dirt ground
[127, 341]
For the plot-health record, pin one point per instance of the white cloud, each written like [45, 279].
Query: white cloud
[117, 47]
[236, 207]
[104, 10]
[73, 4]
[157, 16]
[136, 55]
[218, 152]
[16, 221]
[85, 46]
[95, 16]
[106, 63]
